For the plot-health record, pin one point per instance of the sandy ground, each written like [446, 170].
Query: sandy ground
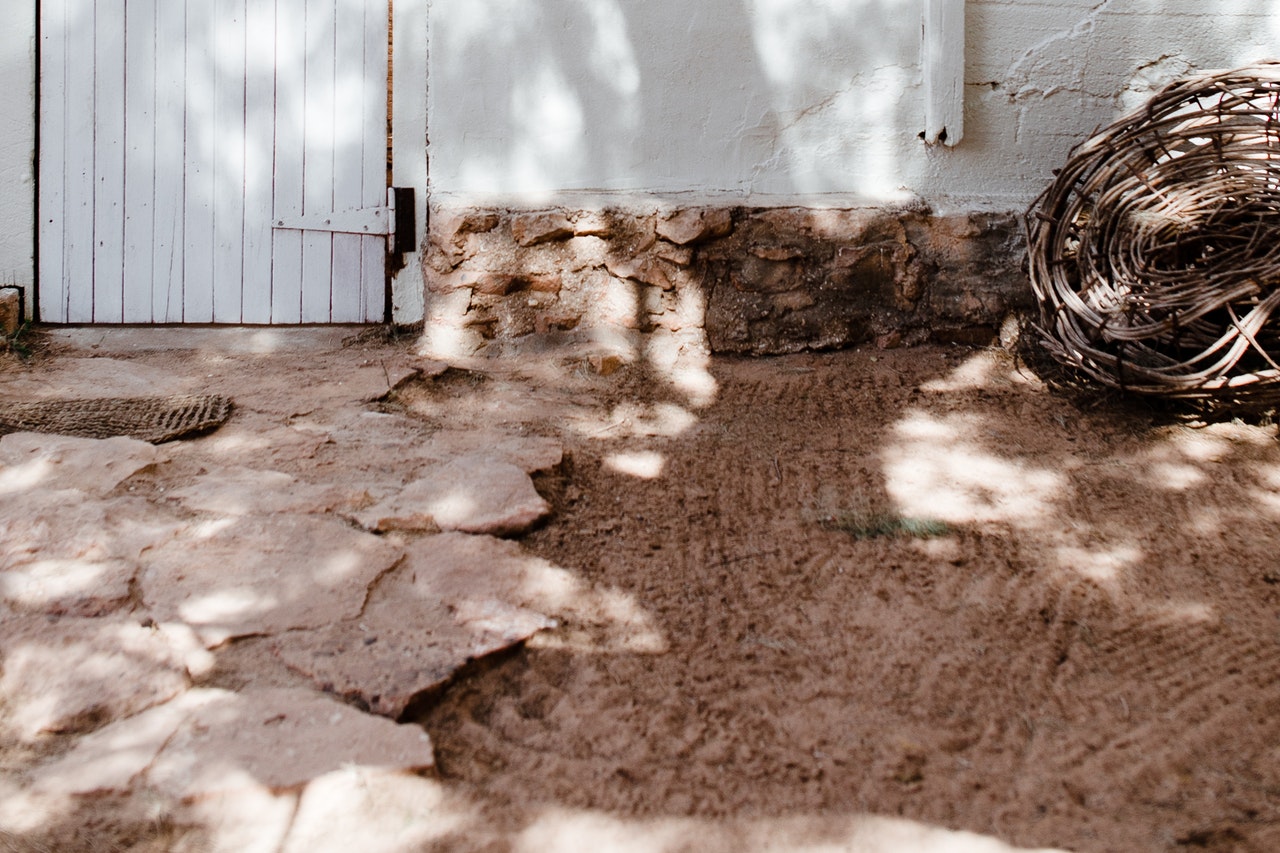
[871, 600]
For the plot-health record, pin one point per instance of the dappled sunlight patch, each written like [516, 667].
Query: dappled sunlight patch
[592, 620]
[375, 811]
[227, 605]
[645, 465]
[1104, 565]
[27, 475]
[936, 469]
[568, 829]
[639, 420]
[1178, 477]
[76, 674]
[981, 370]
[78, 586]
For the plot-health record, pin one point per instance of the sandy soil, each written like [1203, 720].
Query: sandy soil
[910, 584]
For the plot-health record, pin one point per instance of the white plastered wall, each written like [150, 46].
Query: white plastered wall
[793, 101]
[17, 148]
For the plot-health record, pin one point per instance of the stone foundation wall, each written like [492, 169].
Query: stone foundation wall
[752, 280]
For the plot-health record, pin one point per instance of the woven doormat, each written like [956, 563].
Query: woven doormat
[153, 419]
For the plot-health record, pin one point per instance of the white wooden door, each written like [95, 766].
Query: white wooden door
[187, 147]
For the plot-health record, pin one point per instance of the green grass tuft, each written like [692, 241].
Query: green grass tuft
[880, 525]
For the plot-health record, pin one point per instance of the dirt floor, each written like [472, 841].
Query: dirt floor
[912, 585]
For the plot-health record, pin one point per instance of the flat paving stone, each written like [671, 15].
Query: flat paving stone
[530, 453]
[473, 495]
[245, 576]
[210, 741]
[456, 598]
[65, 553]
[373, 811]
[69, 586]
[70, 378]
[69, 675]
[31, 460]
[246, 491]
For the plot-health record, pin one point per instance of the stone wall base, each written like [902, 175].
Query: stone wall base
[744, 280]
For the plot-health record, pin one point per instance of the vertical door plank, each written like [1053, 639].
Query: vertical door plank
[260, 102]
[78, 237]
[201, 151]
[350, 95]
[140, 160]
[170, 141]
[109, 156]
[318, 159]
[290, 120]
[943, 62]
[373, 251]
[229, 158]
[52, 291]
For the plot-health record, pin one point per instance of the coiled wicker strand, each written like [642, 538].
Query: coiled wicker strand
[1155, 254]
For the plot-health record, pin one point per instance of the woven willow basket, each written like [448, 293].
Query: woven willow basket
[1155, 254]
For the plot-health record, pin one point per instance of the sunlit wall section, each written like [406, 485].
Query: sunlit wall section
[779, 100]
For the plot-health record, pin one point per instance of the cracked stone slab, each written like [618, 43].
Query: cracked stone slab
[64, 553]
[31, 460]
[209, 741]
[531, 453]
[69, 675]
[472, 494]
[245, 576]
[246, 491]
[456, 598]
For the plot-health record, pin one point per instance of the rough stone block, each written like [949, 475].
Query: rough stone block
[10, 310]
[696, 225]
[531, 229]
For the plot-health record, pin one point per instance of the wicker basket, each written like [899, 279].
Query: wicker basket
[1155, 254]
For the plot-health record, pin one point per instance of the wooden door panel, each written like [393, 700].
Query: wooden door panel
[176, 134]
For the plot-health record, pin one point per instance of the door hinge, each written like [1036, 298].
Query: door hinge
[394, 221]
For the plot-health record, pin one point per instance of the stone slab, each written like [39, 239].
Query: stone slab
[246, 491]
[31, 460]
[472, 494]
[246, 576]
[373, 811]
[10, 310]
[530, 453]
[73, 378]
[69, 586]
[62, 552]
[211, 741]
[70, 675]
[456, 598]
